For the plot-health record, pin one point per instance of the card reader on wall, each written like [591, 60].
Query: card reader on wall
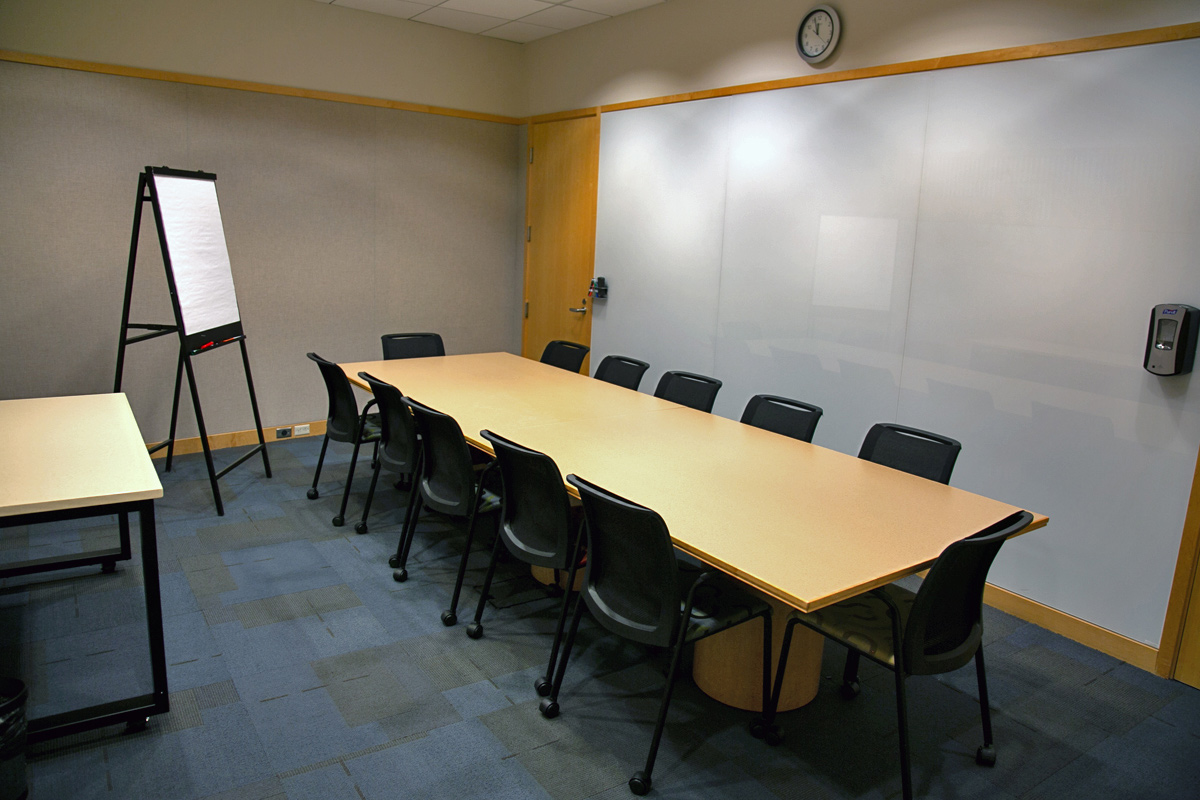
[1171, 343]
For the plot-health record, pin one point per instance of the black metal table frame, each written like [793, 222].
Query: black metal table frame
[134, 711]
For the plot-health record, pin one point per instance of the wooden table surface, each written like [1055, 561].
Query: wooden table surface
[804, 524]
[59, 453]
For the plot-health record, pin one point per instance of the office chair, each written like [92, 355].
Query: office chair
[448, 485]
[412, 345]
[398, 446]
[636, 588]
[688, 389]
[911, 450]
[537, 525]
[565, 355]
[938, 629]
[344, 424]
[781, 415]
[621, 370]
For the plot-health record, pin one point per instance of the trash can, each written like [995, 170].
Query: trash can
[13, 698]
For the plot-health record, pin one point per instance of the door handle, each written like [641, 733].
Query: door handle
[582, 310]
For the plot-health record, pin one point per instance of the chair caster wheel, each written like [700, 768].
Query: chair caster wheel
[393, 561]
[360, 527]
[758, 728]
[773, 735]
[850, 690]
[549, 708]
[542, 687]
[640, 783]
[985, 756]
[339, 521]
[400, 575]
[449, 618]
[313, 494]
[475, 630]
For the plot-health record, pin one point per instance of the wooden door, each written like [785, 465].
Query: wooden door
[560, 245]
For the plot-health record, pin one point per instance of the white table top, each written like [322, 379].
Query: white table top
[60, 453]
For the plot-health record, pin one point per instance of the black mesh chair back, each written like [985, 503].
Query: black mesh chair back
[631, 584]
[782, 415]
[565, 355]
[447, 482]
[398, 444]
[343, 422]
[688, 389]
[535, 517]
[911, 450]
[622, 371]
[945, 625]
[412, 345]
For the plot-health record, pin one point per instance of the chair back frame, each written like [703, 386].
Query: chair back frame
[783, 415]
[912, 450]
[412, 345]
[688, 389]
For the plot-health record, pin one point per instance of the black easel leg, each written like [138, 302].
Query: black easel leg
[174, 412]
[208, 460]
[262, 442]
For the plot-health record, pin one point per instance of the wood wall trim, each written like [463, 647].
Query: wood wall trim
[1181, 587]
[1171, 33]
[220, 441]
[559, 116]
[1086, 633]
[248, 86]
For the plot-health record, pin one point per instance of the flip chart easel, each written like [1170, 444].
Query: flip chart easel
[192, 240]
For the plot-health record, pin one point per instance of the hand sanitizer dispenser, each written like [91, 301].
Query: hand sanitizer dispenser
[1171, 343]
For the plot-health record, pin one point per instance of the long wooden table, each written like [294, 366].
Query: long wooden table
[802, 524]
[64, 458]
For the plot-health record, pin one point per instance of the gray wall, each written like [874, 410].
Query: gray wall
[343, 222]
[974, 251]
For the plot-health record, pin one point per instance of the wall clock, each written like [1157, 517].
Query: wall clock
[818, 34]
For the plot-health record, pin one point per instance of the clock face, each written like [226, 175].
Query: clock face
[818, 34]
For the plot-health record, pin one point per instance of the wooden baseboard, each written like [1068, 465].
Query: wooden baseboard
[1136, 653]
[219, 441]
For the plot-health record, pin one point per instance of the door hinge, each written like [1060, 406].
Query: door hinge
[530, 155]
[529, 233]
[526, 309]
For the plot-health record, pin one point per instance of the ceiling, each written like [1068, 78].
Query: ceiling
[514, 20]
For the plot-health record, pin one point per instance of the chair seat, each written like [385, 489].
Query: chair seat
[372, 428]
[720, 603]
[863, 622]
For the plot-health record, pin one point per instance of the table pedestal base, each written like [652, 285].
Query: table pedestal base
[727, 667]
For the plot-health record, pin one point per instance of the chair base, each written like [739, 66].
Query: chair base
[360, 528]
[313, 494]
[549, 708]
[449, 619]
[542, 686]
[400, 575]
[475, 630]
[339, 521]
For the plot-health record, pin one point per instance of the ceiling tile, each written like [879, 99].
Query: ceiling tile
[563, 17]
[506, 9]
[521, 32]
[393, 8]
[612, 7]
[459, 20]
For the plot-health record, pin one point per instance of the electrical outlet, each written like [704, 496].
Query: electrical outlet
[283, 433]
[301, 430]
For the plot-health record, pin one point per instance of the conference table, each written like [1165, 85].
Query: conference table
[803, 525]
[68, 458]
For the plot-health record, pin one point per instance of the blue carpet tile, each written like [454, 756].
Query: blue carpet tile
[300, 670]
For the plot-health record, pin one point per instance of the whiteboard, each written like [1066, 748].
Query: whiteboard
[199, 259]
